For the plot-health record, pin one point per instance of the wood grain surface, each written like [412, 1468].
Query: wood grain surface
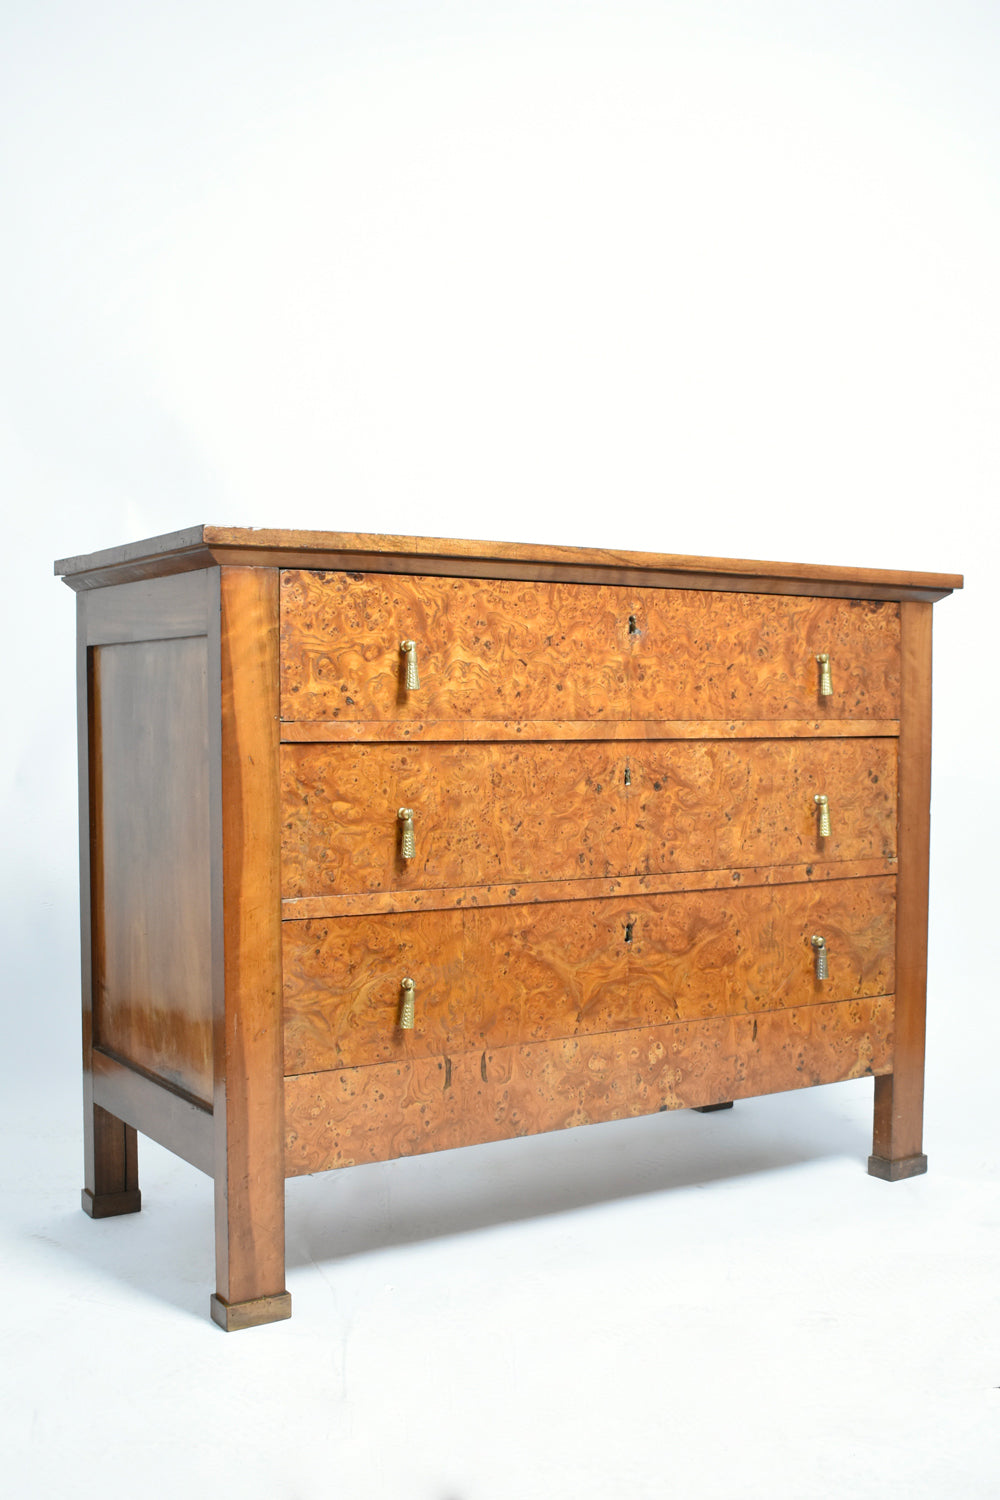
[899, 1099]
[373, 731]
[486, 649]
[563, 811]
[342, 988]
[481, 813]
[164, 609]
[710, 656]
[209, 546]
[504, 975]
[491, 649]
[402, 1108]
[249, 1168]
[164, 1115]
[719, 804]
[150, 859]
[532, 893]
[725, 952]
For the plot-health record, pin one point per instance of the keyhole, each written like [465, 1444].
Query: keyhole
[633, 628]
[628, 931]
[628, 776]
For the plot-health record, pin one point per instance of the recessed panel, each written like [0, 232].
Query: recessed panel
[151, 859]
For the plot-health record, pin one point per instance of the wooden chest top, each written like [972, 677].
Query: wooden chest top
[207, 546]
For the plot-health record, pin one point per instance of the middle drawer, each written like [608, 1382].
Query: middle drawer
[497, 812]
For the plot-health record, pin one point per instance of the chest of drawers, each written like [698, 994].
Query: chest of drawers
[390, 845]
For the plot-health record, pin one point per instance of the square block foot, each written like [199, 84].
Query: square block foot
[709, 1109]
[895, 1171]
[234, 1315]
[108, 1205]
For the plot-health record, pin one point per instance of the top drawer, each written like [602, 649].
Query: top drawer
[528, 651]
[485, 649]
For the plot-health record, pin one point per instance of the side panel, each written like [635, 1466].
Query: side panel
[151, 859]
[144, 861]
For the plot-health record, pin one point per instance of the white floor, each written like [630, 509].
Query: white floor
[690, 1305]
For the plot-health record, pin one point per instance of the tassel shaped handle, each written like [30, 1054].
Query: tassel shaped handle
[825, 680]
[407, 843]
[819, 947]
[823, 803]
[407, 1004]
[409, 650]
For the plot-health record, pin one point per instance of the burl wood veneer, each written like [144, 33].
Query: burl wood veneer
[610, 770]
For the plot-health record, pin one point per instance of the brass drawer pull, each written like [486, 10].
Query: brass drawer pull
[822, 969]
[407, 843]
[825, 680]
[823, 803]
[407, 1006]
[409, 650]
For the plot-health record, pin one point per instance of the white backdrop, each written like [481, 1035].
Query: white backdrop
[711, 277]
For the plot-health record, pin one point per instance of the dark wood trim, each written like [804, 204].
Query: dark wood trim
[173, 1120]
[899, 1096]
[249, 1099]
[902, 1167]
[169, 551]
[155, 609]
[114, 1152]
[233, 1316]
[204, 546]
[110, 1205]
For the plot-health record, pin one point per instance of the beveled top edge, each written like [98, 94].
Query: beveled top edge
[204, 546]
[171, 543]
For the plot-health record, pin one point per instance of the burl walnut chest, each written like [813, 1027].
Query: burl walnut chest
[391, 844]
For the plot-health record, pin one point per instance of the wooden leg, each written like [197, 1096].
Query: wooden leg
[249, 1248]
[709, 1109]
[111, 1171]
[249, 1074]
[896, 1150]
[249, 1234]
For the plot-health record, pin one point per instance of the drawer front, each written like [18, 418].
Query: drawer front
[702, 655]
[721, 804]
[564, 811]
[481, 813]
[710, 953]
[509, 651]
[430, 1104]
[485, 649]
[343, 988]
[493, 975]
[504, 975]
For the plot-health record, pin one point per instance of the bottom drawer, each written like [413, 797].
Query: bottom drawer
[375, 1113]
